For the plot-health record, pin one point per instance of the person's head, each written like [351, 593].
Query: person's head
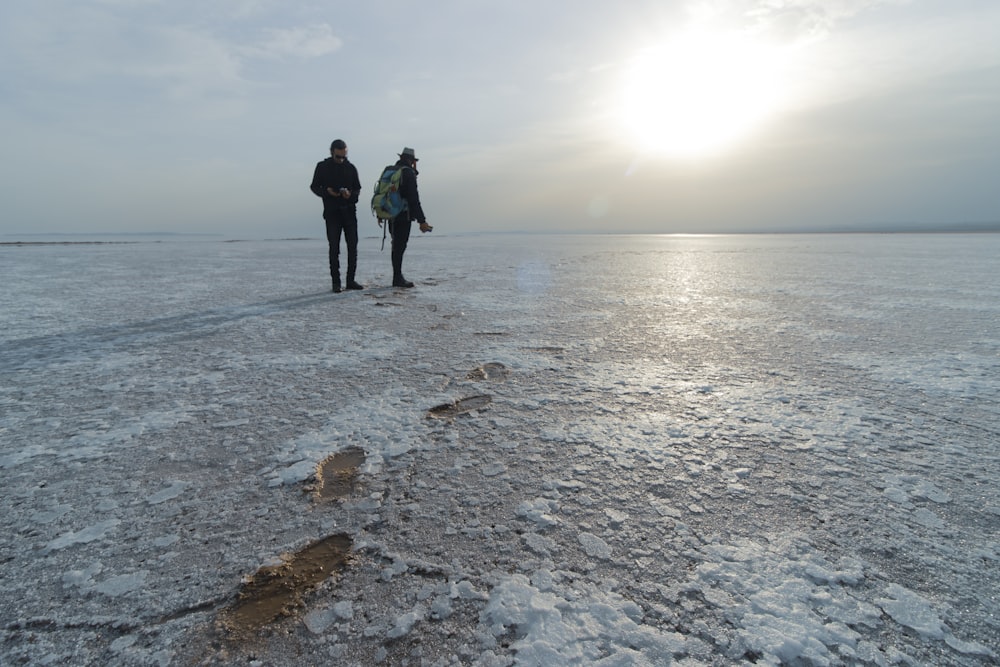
[338, 150]
[409, 157]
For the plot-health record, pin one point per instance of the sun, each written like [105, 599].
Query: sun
[699, 93]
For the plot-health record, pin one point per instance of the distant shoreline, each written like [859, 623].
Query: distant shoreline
[136, 238]
[70, 242]
[35, 243]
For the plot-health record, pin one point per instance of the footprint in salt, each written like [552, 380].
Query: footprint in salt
[493, 371]
[278, 591]
[336, 474]
[449, 410]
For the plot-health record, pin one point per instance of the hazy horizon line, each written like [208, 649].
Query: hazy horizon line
[226, 238]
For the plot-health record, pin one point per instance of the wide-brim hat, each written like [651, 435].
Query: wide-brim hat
[409, 152]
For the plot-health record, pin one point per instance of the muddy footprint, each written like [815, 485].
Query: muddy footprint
[448, 410]
[493, 371]
[277, 591]
[336, 474]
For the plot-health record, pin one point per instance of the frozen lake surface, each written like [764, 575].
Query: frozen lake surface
[582, 450]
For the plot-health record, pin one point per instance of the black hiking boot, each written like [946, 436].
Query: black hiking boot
[352, 284]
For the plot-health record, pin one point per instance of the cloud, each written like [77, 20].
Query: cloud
[310, 41]
[787, 21]
[809, 19]
[141, 47]
[189, 64]
[99, 56]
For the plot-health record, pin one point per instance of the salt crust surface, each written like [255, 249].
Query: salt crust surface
[708, 451]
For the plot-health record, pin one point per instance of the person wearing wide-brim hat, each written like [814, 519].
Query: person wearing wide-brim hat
[399, 226]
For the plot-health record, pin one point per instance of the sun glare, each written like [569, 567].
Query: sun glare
[697, 94]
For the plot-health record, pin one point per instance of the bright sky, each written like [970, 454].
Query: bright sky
[584, 115]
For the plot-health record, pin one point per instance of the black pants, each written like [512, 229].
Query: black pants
[399, 227]
[342, 220]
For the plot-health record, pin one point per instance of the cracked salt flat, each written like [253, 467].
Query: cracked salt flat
[707, 451]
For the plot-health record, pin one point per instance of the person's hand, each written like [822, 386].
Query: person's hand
[332, 192]
[345, 193]
[424, 227]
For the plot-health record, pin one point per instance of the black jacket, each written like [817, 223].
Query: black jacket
[408, 190]
[332, 174]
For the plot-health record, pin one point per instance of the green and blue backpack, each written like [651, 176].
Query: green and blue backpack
[387, 202]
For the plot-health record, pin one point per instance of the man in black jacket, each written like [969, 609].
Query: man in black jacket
[336, 181]
[399, 226]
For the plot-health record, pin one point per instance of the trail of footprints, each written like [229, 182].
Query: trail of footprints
[278, 591]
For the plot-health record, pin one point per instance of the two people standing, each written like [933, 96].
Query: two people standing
[336, 181]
